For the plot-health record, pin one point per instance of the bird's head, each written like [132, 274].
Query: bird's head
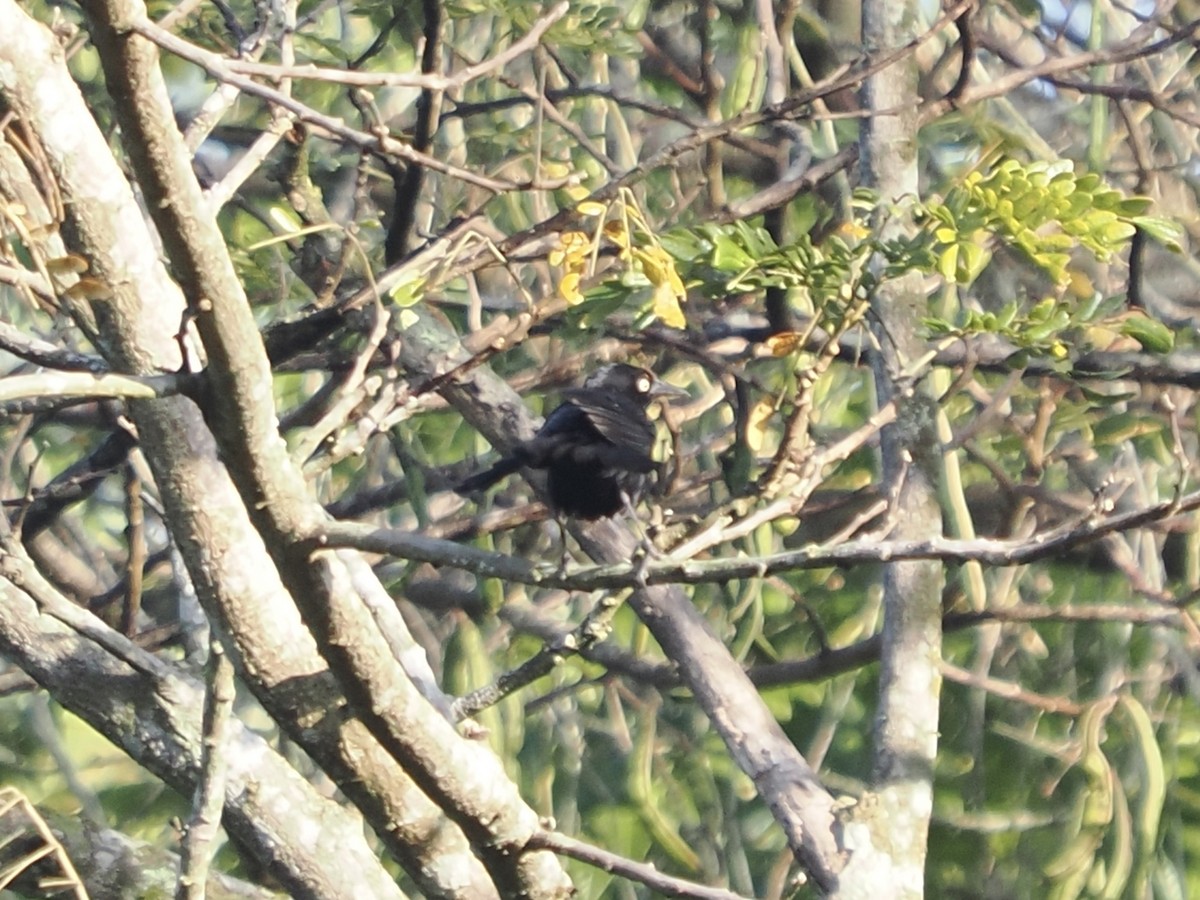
[632, 381]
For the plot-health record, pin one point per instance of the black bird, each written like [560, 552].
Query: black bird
[596, 446]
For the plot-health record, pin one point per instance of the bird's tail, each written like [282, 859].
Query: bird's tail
[481, 481]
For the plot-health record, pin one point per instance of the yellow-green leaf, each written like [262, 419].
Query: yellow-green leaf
[667, 308]
[756, 425]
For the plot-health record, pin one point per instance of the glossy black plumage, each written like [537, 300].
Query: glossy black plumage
[595, 446]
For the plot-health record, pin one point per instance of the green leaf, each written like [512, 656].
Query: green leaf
[973, 258]
[408, 293]
[1166, 231]
[1116, 428]
[1133, 206]
[684, 244]
[1152, 334]
[948, 262]
[1041, 311]
[1024, 207]
[1056, 265]
[728, 256]
[757, 240]
[1057, 242]
[598, 304]
[1152, 795]
[1114, 233]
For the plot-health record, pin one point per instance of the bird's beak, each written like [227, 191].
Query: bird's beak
[662, 390]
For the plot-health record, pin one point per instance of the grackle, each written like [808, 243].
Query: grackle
[595, 446]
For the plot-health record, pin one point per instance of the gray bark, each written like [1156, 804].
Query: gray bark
[889, 828]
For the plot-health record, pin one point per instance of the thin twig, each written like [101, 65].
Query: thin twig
[11, 798]
[219, 68]
[1135, 47]
[43, 353]
[1009, 690]
[309, 72]
[135, 541]
[247, 164]
[592, 630]
[642, 873]
[197, 846]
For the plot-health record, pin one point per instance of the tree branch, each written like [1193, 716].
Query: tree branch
[991, 551]
[226, 71]
[234, 578]
[199, 838]
[152, 711]
[785, 781]
[426, 80]
[642, 873]
[464, 778]
[43, 389]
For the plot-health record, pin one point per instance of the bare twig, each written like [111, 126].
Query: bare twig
[135, 541]
[425, 81]
[18, 814]
[219, 67]
[247, 164]
[1009, 690]
[591, 631]
[196, 848]
[642, 873]
[43, 353]
[1136, 46]
[843, 78]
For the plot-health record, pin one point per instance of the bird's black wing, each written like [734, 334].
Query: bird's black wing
[592, 427]
[600, 427]
[615, 417]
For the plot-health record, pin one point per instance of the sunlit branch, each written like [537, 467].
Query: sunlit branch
[48, 389]
[993, 552]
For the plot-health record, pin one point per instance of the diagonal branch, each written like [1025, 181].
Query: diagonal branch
[152, 711]
[220, 68]
[464, 778]
[754, 738]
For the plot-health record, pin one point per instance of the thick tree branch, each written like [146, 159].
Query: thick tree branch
[891, 858]
[233, 576]
[150, 710]
[463, 777]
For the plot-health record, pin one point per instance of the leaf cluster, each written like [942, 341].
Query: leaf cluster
[1042, 209]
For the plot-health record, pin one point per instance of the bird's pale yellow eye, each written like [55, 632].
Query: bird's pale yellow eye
[643, 384]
